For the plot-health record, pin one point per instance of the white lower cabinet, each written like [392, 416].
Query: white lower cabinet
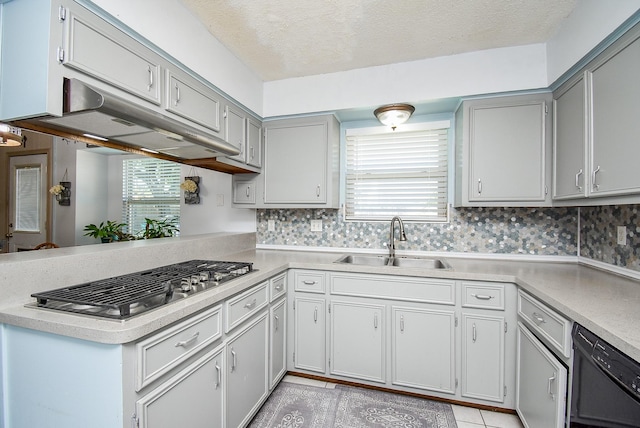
[541, 383]
[247, 371]
[193, 398]
[423, 349]
[483, 357]
[358, 330]
[278, 342]
[310, 332]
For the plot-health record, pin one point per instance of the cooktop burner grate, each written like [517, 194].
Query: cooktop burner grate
[126, 295]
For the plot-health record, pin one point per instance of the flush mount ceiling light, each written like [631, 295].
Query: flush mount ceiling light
[10, 136]
[394, 114]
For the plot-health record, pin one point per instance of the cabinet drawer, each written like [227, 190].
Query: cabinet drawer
[162, 352]
[277, 287]
[242, 307]
[244, 192]
[309, 281]
[440, 291]
[485, 296]
[549, 324]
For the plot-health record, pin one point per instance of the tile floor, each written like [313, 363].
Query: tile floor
[466, 417]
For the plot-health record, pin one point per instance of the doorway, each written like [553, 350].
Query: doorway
[28, 208]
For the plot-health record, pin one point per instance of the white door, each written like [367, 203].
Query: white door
[28, 195]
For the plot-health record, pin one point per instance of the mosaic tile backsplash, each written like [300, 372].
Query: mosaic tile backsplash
[549, 231]
[598, 234]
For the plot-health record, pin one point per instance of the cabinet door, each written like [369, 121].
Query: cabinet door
[254, 143]
[483, 357]
[507, 152]
[194, 101]
[570, 180]
[295, 169]
[357, 330]
[541, 383]
[244, 192]
[615, 112]
[193, 398]
[236, 131]
[92, 46]
[247, 371]
[309, 334]
[278, 343]
[422, 349]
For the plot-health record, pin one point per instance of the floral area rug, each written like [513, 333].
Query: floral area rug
[300, 406]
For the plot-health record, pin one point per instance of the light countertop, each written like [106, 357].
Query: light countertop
[605, 303]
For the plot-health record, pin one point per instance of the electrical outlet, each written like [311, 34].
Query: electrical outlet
[316, 225]
[271, 225]
[622, 235]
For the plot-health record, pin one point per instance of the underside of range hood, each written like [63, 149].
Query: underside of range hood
[100, 118]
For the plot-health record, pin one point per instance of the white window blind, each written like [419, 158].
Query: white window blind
[150, 189]
[27, 202]
[397, 173]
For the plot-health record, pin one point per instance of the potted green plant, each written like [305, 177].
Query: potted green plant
[106, 232]
[160, 228]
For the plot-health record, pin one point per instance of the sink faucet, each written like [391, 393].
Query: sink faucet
[392, 236]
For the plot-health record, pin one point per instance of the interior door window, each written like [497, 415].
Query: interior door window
[27, 199]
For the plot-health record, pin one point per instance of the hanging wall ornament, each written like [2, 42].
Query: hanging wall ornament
[62, 191]
[191, 187]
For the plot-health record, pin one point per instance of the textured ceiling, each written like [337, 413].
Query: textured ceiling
[280, 39]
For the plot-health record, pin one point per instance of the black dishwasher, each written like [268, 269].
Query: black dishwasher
[605, 391]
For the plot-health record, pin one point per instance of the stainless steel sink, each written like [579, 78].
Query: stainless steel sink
[416, 262]
[354, 259]
[409, 262]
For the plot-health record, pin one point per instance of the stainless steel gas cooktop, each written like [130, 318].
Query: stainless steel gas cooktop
[128, 295]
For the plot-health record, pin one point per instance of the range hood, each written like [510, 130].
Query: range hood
[88, 110]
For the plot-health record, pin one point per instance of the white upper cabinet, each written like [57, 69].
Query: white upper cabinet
[236, 131]
[194, 101]
[570, 179]
[254, 142]
[596, 128]
[94, 48]
[502, 149]
[615, 109]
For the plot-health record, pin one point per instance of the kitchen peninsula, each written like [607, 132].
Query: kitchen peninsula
[605, 303]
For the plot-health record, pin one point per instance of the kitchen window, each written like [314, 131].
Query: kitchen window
[150, 189]
[397, 173]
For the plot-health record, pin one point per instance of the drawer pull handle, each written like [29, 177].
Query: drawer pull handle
[218, 375]
[248, 191]
[479, 186]
[250, 305]
[551, 379]
[578, 186]
[279, 287]
[307, 282]
[233, 360]
[189, 341]
[538, 319]
[177, 95]
[150, 85]
[401, 322]
[375, 321]
[315, 315]
[475, 333]
[277, 321]
[482, 296]
[593, 178]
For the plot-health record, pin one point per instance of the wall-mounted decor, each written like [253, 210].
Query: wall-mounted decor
[191, 187]
[62, 191]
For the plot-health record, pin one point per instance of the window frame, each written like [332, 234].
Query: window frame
[364, 128]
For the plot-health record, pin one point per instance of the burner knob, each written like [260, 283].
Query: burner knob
[204, 276]
[217, 276]
[185, 285]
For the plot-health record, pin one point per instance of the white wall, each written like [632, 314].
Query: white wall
[63, 218]
[589, 23]
[489, 71]
[209, 216]
[169, 25]
[91, 193]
